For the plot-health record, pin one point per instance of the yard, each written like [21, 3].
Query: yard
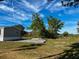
[52, 49]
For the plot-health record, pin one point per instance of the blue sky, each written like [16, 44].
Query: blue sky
[14, 12]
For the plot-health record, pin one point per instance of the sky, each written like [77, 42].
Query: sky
[14, 12]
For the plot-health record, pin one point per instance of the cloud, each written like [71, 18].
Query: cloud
[71, 30]
[70, 22]
[58, 4]
[27, 4]
[13, 12]
[22, 15]
[4, 1]
[38, 3]
[55, 6]
[50, 4]
[10, 19]
[20, 11]
[72, 11]
[6, 8]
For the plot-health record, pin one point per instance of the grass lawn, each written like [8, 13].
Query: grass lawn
[20, 50]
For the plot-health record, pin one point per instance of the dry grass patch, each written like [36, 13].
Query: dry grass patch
[17, 50]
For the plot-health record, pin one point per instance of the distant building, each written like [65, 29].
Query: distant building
[11, 32]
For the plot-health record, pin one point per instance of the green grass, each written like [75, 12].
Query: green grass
[10, 44]
[30, 51]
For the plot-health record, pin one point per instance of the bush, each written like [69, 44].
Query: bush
[65, 34]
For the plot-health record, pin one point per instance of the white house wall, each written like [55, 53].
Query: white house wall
[1, 33]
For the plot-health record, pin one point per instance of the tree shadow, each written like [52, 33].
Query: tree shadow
[49, 56]
[72, 53]
[27, 47]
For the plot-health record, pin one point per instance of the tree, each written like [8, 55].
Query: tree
[65, 34]
[1, 0]
[39, 30]
[70, 3]
[37, 25]
[54, 26]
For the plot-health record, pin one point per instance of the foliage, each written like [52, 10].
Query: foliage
[1, 0]
[37, 25]
[70, 3]
[72, 53]
[65, 34]
[54, 26]
[39, 30]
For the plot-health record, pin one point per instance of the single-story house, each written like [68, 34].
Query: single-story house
[11, 32]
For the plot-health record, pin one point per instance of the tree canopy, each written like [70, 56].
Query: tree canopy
[54, 26]
[39, 29]
[1, 0]
[70, 3]
[37, 25]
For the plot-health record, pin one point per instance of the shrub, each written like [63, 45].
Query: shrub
[65, 34]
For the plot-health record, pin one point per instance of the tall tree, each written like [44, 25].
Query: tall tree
[54, 26]
[37, 25]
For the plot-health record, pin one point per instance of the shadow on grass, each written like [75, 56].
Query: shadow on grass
[16, 40]
[28, 47]
[55, 56]
[72, 53]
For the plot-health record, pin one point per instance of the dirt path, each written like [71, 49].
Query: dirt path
[11, 54]
[3, 52]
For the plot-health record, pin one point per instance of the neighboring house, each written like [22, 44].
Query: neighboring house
[11, 32]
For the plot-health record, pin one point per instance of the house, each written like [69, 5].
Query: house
[11, 32]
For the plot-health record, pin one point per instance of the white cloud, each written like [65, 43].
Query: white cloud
[50, 4]
[6, 8]
[70, 30]
[58, 4]
[3, 1]
[55, 6]
[15, 14]
[29, 5]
